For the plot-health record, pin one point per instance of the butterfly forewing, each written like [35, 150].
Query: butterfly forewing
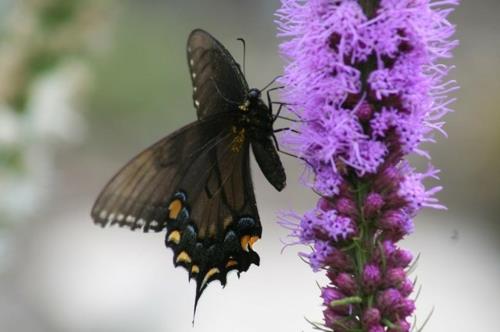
[218, 84]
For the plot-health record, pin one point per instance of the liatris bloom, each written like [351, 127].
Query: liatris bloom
[363, 79]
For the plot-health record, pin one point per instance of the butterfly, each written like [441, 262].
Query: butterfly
[196, 182]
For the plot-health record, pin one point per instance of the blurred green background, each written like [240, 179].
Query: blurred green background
[62, 273]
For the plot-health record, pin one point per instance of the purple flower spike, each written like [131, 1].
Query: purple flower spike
[364, 78]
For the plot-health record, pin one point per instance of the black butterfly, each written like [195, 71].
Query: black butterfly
[196, 182]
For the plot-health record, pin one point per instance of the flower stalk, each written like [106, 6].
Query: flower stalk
[363, 78]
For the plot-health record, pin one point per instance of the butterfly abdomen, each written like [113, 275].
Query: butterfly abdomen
[269, 162]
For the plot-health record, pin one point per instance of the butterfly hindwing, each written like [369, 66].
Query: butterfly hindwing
[226, 219]
[196, 184]
[135, 197]
[218, 83]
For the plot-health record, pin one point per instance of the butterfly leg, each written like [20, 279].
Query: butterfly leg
[286, 129]
[278, 116]
[288, 153]
[269, 100]
[281, 104]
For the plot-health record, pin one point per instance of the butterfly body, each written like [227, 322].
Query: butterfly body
[196, 183]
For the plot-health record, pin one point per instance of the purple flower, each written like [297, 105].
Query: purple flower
[331, 294]
[400, 326]
[400, 258]
[376, 328]
[389, 300]
[371, 317]
[395, 276]
[373, 203]
[371, 276]
[364, 78]
[346, 283]
[406, 288]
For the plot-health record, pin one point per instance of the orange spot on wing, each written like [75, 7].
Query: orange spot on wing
[231, 263]
[213, 271]
[174, 237]
[244, 242]
[227, 221]
[252, 240]
[183, 257]
[174, 209]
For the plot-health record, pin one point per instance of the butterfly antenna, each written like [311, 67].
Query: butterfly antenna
[244, 54]
[271, 83]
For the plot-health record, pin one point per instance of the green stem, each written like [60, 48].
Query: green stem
[346, 301]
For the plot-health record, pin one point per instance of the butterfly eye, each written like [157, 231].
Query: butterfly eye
[253, 94]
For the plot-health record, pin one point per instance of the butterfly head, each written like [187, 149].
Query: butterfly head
[252, 99]
[253, 95]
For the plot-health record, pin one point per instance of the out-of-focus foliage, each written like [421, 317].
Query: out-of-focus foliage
[45, 46]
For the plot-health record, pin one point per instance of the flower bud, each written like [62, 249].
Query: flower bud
[376, 328]
[371, 277]
[373, 203]
[346, 206]
[371, 317]
[389, 300]
[401, 258]
[406, 308]
[364, 112]
[406, 288]
[346, 283]
[401, 326]
[395, 276]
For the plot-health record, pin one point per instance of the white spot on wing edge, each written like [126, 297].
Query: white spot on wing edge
[189, 49]
[103, 214]
[197, 103]
[141, 222]
[111, 217]
[191, 62]
[194, 75]
[195, 88]
[130, 218]
[120, 217]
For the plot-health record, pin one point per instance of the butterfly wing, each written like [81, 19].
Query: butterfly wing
[196, 183]
[218, 83]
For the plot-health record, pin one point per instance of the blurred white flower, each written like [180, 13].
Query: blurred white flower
[10, 127]
[52, 115]
[23, 191]
[53, 109]
[44, 76]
